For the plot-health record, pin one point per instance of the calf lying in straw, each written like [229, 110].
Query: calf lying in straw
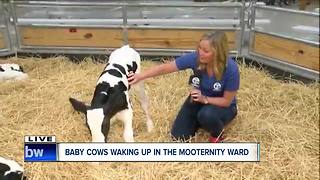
[10, 170]
[111, 97]
[11, 72]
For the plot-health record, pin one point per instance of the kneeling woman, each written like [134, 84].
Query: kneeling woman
[213, 105]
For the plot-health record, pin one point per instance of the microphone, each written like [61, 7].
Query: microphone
[194, 80]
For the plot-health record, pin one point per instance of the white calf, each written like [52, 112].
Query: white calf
[111, 96]
[10, 170]
[11, 72]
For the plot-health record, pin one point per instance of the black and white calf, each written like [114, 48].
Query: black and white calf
[10, 170]
[12, 72]
[111, 97]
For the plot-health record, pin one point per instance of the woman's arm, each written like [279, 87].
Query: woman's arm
[224, 101]
[166, 68]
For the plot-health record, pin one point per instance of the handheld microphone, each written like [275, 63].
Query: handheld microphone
[194, 81]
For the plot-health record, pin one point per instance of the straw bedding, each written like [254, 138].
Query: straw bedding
[283, 117]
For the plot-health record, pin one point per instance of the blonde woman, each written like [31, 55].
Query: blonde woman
[214, 104]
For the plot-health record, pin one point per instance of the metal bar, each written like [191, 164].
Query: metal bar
[61, 47]
[102, 48]
[14, 22]
[87, 24]
[288, 10]
[153, 52]
[187, 4]
[64, 6]
[168, 53]
[183, 28]
[71, 51]
[4, 50]
[158, 4]
[223, 23]
[65, 3]
[253, 14]
[104, 51]
[242, 25]
[69, 25]
[188, 21]
[252, 20]
[2, 16]
[171, 50]
[8, 25]
[313, 43]
[125, 23]
[284, 66]
[128, 27]
[24, 47]
[309, 29]
[4, 29]
[176, 22]
[22, 21]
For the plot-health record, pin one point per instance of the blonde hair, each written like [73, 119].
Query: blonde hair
[219, 45]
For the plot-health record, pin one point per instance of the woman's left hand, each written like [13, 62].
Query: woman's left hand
[197, 96]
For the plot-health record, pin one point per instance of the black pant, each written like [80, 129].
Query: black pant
[196, 115]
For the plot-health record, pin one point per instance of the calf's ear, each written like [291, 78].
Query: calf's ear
[132, 67]
[78, 105]
[21, 69]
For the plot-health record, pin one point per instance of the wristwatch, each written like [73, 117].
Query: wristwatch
[205, 101]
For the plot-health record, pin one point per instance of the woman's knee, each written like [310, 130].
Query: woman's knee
[208, 115]
[183, 128]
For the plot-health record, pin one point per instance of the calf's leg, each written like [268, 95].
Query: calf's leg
[126, 117]
[144, 101]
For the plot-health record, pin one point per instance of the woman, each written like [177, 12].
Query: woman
[213, 105]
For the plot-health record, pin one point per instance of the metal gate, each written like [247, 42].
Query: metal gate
[285, 39]
[158, 28]
[281, 38]
[6, 47]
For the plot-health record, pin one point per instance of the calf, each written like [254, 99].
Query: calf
[111, 97]
[11, 72]
[10, 170]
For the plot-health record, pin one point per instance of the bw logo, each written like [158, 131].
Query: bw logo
[30, 153]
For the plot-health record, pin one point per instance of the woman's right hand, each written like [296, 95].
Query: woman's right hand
[134, 78]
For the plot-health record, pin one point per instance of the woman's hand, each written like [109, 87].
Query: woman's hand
[198, 97]
[134, 78]
[170, 67]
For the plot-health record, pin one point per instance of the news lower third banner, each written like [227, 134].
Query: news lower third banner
[43, 148]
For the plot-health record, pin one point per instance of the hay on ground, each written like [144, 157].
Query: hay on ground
[283, 117]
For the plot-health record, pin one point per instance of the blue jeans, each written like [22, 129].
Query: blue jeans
[193, 116]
